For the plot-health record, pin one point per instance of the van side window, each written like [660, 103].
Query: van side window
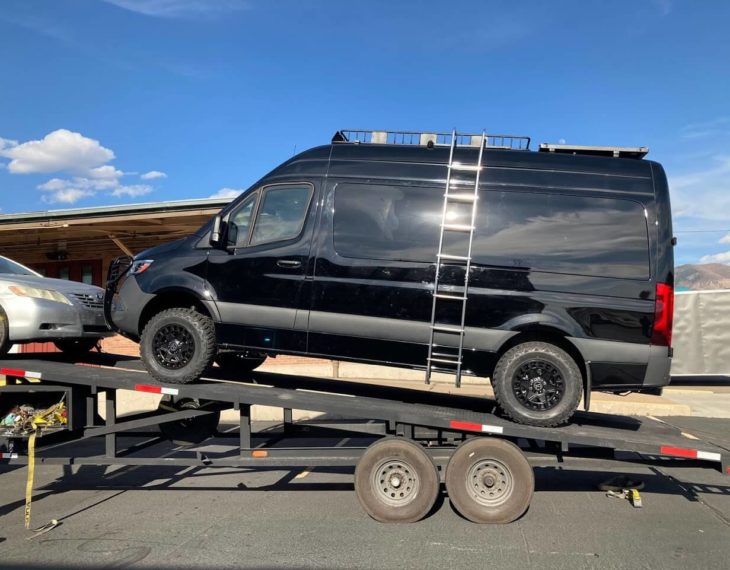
[281, 214]
[240, 222]
[387, 222]
[560, 233]
[579, 235]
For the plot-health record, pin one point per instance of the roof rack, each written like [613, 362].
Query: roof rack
[637, 152]
[429, 139]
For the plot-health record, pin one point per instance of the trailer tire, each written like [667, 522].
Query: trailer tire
[178, 345]
[537, 370]
[489, 481]
[396, 481]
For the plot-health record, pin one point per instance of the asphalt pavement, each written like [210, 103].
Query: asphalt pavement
[171, 517]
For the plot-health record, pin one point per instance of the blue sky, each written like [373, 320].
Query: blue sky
[119, 101]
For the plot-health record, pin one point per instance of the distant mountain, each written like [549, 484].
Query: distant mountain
[702, 276]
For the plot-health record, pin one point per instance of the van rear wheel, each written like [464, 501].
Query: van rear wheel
[177, 345]
[537, 384]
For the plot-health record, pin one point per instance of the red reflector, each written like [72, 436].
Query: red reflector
[679, 452]
[466, 426]
[12, 372]
[150, 389]
[663, 315]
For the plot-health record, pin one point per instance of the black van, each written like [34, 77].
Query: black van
[549, 272]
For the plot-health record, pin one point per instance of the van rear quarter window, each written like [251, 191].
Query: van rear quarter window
[562, 233]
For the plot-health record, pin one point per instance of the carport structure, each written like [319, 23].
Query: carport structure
[80, 243]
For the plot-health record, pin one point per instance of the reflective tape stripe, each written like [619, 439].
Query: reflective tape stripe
[156, 389]
[470, 426]
[678, 452]
[20, 373]
[709, 456]
[690, 453]
[4, 455]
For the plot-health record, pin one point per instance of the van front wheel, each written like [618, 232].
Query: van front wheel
[177, 345]
[537, 384]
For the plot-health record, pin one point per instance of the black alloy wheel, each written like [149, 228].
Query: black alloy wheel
[173, 346]
[178, 345]
[537, 384]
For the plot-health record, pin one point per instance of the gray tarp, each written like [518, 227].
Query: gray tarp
[701, 337]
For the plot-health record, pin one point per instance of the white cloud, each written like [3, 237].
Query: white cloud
[716, 126]
[181, 8]
[703, 193]
[59, 151]
[152, 174]
[105, 172]
[83, 160]
[132, 191]
[723, 257]
[227, 193]
[725, 239]
[67, 195]
[7, 143]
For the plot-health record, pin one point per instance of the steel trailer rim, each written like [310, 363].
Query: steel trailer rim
[173, 346]
[396, 482]
[489, 482]
[538, 385]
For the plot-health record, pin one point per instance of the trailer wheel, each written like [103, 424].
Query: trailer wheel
[178, 345]
[192, 430]
[537, 384]
[489, 480]
[396, 481]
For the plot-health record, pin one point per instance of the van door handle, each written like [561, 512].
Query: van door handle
[289, 263]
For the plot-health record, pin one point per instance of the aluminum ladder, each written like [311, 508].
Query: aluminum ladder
[447, 357]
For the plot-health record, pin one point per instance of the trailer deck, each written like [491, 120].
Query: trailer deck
[439, 425]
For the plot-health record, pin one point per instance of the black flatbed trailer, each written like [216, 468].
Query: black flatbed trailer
[403, 442]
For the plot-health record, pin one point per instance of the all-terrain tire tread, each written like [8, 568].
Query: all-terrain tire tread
[206, 328]
[515, 353]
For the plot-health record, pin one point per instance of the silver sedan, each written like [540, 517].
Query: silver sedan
[35, 308]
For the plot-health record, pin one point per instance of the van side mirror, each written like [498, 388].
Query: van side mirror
[215, 232]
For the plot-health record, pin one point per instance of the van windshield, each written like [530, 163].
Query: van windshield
[13, 268]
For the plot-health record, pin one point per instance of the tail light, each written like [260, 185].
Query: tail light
[663, 315]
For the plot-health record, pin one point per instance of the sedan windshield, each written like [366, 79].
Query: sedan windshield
[8, 266]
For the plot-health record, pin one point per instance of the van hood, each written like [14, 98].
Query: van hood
[160, 249]
[60, 285]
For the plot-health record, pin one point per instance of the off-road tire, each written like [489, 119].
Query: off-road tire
[516, 357]
[202, 330]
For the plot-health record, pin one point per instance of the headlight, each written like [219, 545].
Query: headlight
[36, 293]
[140, 266]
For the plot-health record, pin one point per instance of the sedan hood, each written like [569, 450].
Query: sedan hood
[60, 285]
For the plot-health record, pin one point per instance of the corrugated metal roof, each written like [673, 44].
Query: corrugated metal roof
[121, 210]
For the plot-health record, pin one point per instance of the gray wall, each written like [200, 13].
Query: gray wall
[702, 332]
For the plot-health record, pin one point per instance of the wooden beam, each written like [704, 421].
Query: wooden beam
[47, 224]
[121, 245]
